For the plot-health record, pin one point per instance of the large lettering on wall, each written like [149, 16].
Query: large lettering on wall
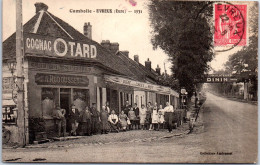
[55, 79]
[50, 46]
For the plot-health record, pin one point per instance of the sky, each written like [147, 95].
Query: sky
[132, 31]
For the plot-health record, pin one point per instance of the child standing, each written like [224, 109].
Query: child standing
[155, 118]
[161, 117]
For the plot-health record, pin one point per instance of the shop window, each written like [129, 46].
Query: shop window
[49, 99]
[137, 100]
[9, 115]
[127, 98]
[121, 99]
[108, 95]
[114, 100]
[100, 98]
[81, 98]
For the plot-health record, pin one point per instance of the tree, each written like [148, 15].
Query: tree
[168, 80]
[183, 31]
[245, 61]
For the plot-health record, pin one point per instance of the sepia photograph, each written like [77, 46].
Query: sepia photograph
[129, 81]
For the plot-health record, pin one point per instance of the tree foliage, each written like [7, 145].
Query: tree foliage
[168, 80]
[245, 61]
[182, 30]
[246, 58]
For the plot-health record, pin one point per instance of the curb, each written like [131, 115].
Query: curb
[100, 143]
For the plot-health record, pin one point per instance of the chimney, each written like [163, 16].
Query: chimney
[125, 52]
[87, 29]
[106, 44]
[158, 70]
[40, 6]
[114, 47]
[148, 64]
[136, 58]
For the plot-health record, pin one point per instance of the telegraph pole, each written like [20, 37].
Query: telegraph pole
[20, 77]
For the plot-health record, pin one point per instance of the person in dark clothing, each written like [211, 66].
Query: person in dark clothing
[169, 109]
[85, 122]
[60, 120]
[149, 116]
[104, 120]
[107, 108]
[74, 120]
[95, 119]
[137, 121]
[126, 108]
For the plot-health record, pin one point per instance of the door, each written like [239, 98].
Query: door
[65, 104]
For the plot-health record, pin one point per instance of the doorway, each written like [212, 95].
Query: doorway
[65, 102]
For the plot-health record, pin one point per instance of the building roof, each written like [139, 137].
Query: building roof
[138, 69]
[46, 24]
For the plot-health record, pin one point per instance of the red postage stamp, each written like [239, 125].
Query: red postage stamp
[230, 25]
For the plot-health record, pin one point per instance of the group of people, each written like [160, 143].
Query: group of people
[90, 121]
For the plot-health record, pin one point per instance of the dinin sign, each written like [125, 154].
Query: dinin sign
[214, 78]
[42, 45]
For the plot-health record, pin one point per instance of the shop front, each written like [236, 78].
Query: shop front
[61, 75]
[63, 67]
[142, 93]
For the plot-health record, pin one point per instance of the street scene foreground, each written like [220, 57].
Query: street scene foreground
[225, 132]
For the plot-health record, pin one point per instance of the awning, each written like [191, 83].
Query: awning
[141, 85]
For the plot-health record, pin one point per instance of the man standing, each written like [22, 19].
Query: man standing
[126, 107]
[95, 119]
[107, 107]
[60, 120]
[149, 115]
[74, 120]
[169, 116]
[137, 122]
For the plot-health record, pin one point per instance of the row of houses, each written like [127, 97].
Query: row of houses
[64, 66]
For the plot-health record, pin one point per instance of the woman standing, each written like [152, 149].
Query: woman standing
[123, 120]
[142, 114]
[154, 118]
[132, 117]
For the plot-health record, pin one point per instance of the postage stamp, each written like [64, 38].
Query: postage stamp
[230, 25]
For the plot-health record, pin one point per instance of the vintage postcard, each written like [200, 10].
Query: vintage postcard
[129, 81]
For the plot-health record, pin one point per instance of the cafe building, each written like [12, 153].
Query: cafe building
[65, 67]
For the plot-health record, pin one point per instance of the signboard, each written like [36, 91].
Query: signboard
[142, 85]
[60, 67]
[216, 78]
[54, 79]
[183, 91]
[9, 115]
[50, 46]
[7, 84]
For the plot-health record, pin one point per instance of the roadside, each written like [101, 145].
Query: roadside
[116, 138]
[112, 138]
[233, 98]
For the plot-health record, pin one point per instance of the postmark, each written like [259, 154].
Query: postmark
[230, 25]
